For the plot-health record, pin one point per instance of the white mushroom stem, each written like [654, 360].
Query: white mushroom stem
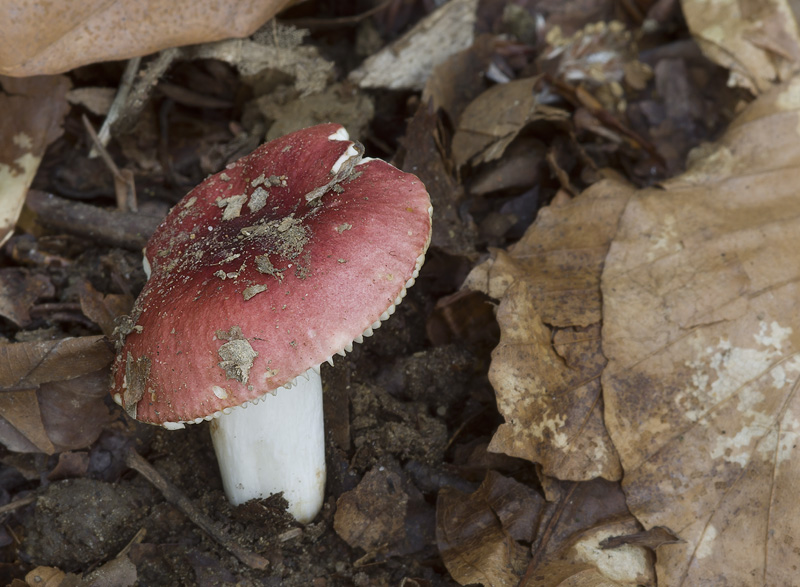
[277, 444]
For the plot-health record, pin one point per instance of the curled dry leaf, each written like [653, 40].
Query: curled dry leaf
[52, 393]
[103, 309]
[760, 45]
[701, 327]
[45, 38]
[569, 549]
[546, 369]
[494, 119]
[479, 534]
[31, 113]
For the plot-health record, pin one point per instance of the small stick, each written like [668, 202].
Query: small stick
[10, 507]
[125, 84]
[117, 228]
[136, 462]
[137, 539]
[123, 179]
[141, 89]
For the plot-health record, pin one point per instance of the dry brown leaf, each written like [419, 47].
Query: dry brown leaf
[31, 113]
[454, 83]
[758, 42]
[701, 326]
[52, 393]
[103, 309]
[494, 119]
[547, 367]
[21, 425]
[95, 100]
[478, 534]
[19, 290]
[424, 158]
[292, 111]
[569, 551]
[46, 38]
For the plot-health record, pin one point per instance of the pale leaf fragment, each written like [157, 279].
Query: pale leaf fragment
[408, 61]
[278, 47]
[701, 326]
[31, 113]
[758, 42]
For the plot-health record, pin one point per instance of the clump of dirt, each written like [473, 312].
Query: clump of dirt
[81, 521]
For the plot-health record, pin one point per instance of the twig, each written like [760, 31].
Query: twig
[124, 186]
[127, 230]
[331, 23]
[171, 493]
[125, 84]
[549, 530]
[137, 539]
[129, 114]
[10, 507]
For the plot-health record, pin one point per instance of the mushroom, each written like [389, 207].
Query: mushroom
[259, 275]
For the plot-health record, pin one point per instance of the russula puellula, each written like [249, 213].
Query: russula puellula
[260, 274]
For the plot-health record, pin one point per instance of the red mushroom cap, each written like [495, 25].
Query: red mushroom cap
[266, 270]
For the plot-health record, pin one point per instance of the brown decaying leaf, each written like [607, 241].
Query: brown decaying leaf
[701, 327]
[758, 43]
[52, 393]
[494, 119]
[276, 47]
[385, 514]
[292, 111]
[424, 146]
[31, 113]
[546, 369]
[19, 290]
[45, 38]
[521, 166]
[103, 309]
[477, 534]
[70, 464]
[568, 550]
[454, 83]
